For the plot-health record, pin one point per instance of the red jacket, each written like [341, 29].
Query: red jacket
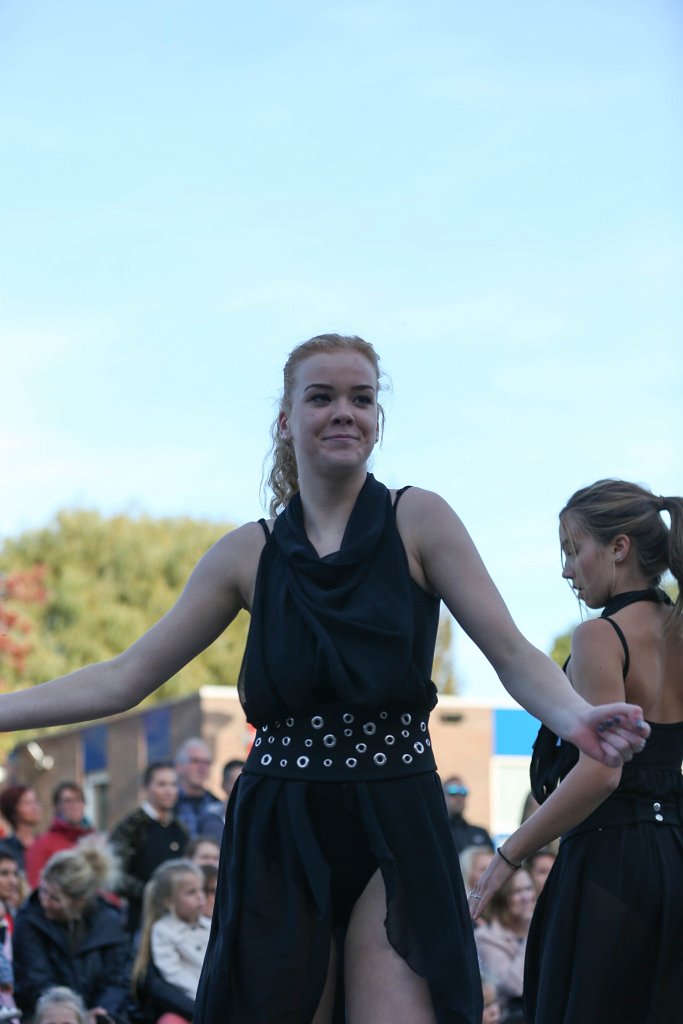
[59, 836]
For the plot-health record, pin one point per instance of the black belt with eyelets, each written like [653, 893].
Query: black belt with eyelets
[335, 742]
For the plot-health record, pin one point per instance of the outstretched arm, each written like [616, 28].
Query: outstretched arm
[218, 587]
[444, 553]
[597, 669]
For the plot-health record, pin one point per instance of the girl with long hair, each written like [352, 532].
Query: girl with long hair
[606, 940]
[173, 941]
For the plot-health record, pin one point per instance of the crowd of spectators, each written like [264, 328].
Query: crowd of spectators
[501, 932]
[110, 928]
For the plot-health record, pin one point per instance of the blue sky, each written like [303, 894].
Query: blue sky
[489, 192]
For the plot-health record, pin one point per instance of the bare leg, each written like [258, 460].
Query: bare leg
[380, 986]
[323, 1015]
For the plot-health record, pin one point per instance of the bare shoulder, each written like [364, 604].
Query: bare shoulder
[422, 510]
[597, 662]
[233, 560]
[427, 522]
[593, 635]
[436, 541]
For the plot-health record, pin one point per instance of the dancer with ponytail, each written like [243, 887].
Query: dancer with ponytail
[337, 847]
[606, 940]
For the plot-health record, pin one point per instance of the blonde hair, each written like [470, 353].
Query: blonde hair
[499, 907]
[159, 892]
[79, 873]
[282, 479]
[610, 507]
[59, 995]
[467, 858]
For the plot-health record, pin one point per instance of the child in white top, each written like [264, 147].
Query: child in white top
[175, 933]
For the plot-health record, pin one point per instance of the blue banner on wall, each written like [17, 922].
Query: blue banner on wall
[514, 731]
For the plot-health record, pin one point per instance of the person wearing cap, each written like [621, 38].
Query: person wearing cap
[464, 834]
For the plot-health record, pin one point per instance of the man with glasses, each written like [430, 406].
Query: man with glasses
[199, 810]
[464, 834]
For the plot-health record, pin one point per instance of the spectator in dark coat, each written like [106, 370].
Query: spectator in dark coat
[200, 811]
[464, 834]
[66, 934]
[148, 837]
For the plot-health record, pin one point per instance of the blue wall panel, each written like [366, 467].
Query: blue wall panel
[514, 731]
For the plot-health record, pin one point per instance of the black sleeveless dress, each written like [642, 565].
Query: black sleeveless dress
[340, 781]
[606, 941]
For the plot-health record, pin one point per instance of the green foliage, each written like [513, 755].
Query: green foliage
[107, 581]
[561, 647]
[442, 671]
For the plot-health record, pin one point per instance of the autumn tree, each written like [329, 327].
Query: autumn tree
[17, 589]
[106, 581]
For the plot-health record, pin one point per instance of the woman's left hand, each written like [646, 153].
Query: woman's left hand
[496, 874]
[610, 733]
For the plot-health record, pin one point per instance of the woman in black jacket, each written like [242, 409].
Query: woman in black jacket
[66, 934]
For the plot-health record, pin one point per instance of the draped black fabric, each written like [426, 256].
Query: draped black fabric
[350, 630]
[339, 628]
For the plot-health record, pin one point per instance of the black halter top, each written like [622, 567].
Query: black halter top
[552, 759]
